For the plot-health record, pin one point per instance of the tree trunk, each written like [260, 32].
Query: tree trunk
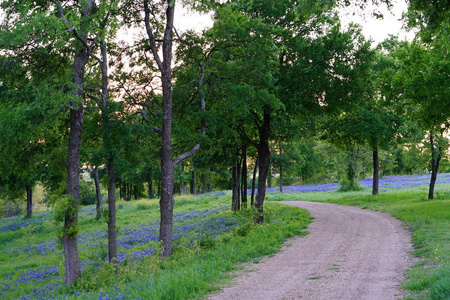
[29, 190]
[209, 183]
[167, 166]
[244, 178]
[194, 183]
[149, 188]
[235, 198]
[183, 184]
[234, 188]
[255, 169]
[112, 232]
[264, 164]
[281, 178]
[183, 188]
[351, 170]
[375, 184]
[98, 205]
[69, 238]
[435, 160]
[203, 179]
[165, 152]
[269, 178]
[166, 202]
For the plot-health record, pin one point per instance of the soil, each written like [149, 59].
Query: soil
[349, 253]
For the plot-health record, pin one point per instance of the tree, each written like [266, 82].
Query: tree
[428, 15]
[419, 85]
[154, 30]
[67, 29]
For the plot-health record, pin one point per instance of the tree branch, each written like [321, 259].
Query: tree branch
[151, 36]
[186, 154]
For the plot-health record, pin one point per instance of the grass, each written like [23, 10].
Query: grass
[211, 242]
[203, 258]
[428, 220]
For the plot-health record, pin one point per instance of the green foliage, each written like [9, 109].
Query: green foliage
[349, 185]
[88, 195]
[65, 208]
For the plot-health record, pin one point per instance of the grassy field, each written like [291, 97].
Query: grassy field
[210, 242]
[428, 220]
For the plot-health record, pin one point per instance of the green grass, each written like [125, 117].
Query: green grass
[190, 273]
[195, 271]
[428, 220]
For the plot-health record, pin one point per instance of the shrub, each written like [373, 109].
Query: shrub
[349, 185]
[88, 195]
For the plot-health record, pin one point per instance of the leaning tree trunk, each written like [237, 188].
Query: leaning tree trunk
[435, 160]
[375, 184]
[263, 165]
[29, 190]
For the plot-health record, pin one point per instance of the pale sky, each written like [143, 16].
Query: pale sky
[377, 30]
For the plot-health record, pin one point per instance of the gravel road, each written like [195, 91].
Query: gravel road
[349, 253]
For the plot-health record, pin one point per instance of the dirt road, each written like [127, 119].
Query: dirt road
[350, 253]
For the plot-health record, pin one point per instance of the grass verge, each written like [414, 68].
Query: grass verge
[429, 221]
[202, 257]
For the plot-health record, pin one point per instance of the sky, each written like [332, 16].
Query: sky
[377, 30]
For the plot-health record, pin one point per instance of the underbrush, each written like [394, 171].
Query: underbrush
[209, 243]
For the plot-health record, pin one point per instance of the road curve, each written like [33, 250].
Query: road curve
[349, 253]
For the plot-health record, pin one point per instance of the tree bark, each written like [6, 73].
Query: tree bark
[149, 188]
[165, 152]
[235, 198]
[375, 184]
[351, 169]
[255, 169]
[183, 184]
[435, 160]
[281, 178]
[203, 179]
[81, 57]
[98, 205]
[209, 183]
[263, 165]
[244, 178]
[194, 183]
[112, 231]
[29, 190]
[69, 239]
